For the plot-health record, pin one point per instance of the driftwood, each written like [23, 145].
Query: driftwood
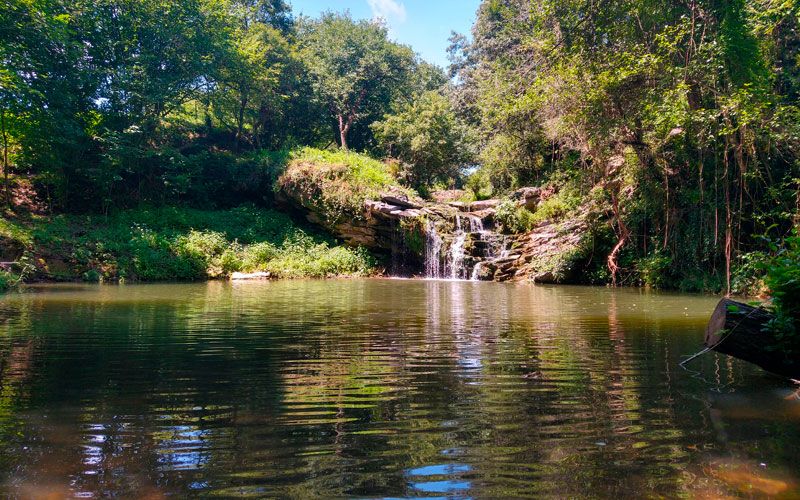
[739, 330]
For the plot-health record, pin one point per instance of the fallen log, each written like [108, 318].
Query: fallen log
[740, 330]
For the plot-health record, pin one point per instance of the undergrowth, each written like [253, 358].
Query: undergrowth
[163, 244]
[335, 183]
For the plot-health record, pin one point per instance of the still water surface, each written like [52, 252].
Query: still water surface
[381, 388]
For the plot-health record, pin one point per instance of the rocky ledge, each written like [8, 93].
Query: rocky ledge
[459, 240]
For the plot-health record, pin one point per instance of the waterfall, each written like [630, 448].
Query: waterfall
[433, 252]
[476, 271]
[472, 224]
[447, 257]
[475, 224]
[456, 263]
[494, 249]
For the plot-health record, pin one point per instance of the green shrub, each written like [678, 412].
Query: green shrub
[782, 277]
[654, 270]
[319, 261]
[183, 244]
[335, 183]
[7, 281]
[747, 277]
[257, 255]
[556, 206]
[478, 182]
[513, 218]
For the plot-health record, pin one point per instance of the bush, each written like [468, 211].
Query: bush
[654, 270]
[782, 278]
[748, 274]
[556, 206]
[181, 244]
[7, 281]
[513, 218]
[479, 183]
[304, 258]
[335, 183]
[257, 256]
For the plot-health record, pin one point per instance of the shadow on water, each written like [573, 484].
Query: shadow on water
[381, 388]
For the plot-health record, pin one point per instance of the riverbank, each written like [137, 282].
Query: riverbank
[172, 244]
[350, 217]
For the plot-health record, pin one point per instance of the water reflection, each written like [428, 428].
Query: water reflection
[380, 389]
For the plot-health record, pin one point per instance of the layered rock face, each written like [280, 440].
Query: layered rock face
[455, 240]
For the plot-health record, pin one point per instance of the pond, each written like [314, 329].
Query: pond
[381, 388]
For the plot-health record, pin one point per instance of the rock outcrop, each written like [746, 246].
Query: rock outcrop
[550, 253]
[458, 240]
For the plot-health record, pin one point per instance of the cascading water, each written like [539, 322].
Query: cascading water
[494, 248]
[476, 272]
[433, 252]
[456, 263]
[447, 257]
[475, 224]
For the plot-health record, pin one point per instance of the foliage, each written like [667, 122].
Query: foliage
[513, 218]
[556, 206]
[355, 70]
[653, 270]
[106, 105]
[782, 278]
[748, 275]
[7, 281]
[336, 182]
[429, 140]
[184, 244]
[684, 115]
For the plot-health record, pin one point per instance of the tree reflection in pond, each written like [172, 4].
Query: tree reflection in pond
[380, 388]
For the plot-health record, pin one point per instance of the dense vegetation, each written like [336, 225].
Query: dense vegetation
[171, 243]
[678, 122]
[684, 115]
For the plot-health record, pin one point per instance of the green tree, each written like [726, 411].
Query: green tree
[253, 76]
[355, 70]
[428, 139]
[683, 114]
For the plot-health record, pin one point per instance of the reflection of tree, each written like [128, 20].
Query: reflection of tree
[361, 388]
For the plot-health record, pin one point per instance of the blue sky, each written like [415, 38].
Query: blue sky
[425, 25]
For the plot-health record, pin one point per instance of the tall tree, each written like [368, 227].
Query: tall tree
[428, 138]
[253, 74]
[681, 112]
[354, 68]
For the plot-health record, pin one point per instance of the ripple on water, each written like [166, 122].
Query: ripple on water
[380, 389]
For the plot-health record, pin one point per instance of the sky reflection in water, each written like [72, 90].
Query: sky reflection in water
[380, 388]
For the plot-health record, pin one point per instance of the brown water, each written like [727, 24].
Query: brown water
[381, 388]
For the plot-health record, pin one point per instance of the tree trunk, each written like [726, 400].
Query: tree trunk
[739, 330]
[5, 158]
[344, 127]
[240, 122]
[622, 237]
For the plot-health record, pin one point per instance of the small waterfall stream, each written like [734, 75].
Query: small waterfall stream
[453, 256]
[433, 252]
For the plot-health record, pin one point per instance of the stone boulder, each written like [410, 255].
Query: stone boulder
[477, 206]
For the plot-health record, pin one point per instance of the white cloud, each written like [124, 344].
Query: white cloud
[388, 10]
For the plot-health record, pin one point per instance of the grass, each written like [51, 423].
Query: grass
[165, 244]
[335, 183]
